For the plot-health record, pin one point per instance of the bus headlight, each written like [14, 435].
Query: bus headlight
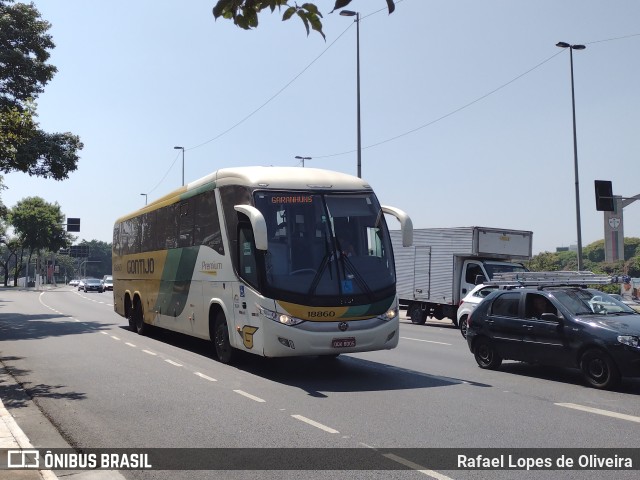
[282, 318]
[389, 314]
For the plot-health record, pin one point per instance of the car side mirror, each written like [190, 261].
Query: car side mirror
[552, 317]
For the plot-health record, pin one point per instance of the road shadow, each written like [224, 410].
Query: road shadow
[18, 394]
[17, 326]
[318, 375]
[572, 376]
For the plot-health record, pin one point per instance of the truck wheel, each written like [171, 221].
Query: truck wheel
[416, 314]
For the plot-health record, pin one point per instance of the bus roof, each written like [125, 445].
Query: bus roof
[276, 178]
[286, 177]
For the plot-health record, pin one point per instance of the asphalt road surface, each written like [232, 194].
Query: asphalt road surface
[103, 386]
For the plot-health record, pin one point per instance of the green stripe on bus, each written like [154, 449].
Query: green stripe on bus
[176, 280]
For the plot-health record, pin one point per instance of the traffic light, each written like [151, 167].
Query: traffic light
[604, 196]
[73, 224]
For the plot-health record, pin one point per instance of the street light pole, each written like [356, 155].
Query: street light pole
[181, 148]
[575, 147]
[349, 13]
[303, 159]
[145, 197]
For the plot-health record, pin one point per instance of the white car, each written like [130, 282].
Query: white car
[470, 302]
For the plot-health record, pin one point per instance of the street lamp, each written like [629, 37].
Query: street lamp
[303, 159]
[145, 197]
[575, 146]
[181, 148]
[349, 13]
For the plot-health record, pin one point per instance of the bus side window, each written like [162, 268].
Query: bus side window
[148, 231]
[185, 226]
[247, 255]
[207, 225]
[116, 239]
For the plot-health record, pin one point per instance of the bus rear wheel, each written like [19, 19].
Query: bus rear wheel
[136, 318]
[224, 350]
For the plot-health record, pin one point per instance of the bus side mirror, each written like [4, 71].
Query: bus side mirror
[257, 223]
[406, 225]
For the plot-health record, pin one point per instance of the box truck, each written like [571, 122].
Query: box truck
[444, 264]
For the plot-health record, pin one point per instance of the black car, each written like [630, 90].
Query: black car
[93, 285]
[558, 326]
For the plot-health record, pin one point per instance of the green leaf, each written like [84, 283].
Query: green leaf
[288, 13]
[303, 16]
[391, 5]
[221, 8]
[311, 8]
[340, 4]
[316, 24]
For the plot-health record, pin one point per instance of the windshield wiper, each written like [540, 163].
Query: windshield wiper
[323, 265]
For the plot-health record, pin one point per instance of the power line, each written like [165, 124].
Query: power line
[467, 105]
[237, 124]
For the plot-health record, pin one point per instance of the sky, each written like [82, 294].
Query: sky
[466, 111]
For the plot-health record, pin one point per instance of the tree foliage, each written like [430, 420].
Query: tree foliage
[244, 13]
[593, 259]
[24, 51]
[39, 225]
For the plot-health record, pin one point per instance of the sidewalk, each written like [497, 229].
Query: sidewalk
[13, 437]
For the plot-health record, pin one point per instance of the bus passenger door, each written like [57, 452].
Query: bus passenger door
[246, 323]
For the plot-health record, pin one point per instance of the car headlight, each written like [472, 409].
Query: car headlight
[282, 318]
[630, 340]
[389, 314]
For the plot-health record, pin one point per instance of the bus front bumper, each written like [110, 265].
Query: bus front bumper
[285, 341]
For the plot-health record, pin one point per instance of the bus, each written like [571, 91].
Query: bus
[275, 261]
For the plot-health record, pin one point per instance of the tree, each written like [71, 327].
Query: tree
[39, 225]
[9, 248]
[244, 13]
[24, 50]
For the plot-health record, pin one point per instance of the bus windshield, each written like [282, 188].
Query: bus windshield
[326, 245]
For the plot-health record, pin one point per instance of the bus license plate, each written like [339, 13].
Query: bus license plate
[343, 342]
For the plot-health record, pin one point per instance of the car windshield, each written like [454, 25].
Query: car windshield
[590, 302]
[503, 267]
[92, 280]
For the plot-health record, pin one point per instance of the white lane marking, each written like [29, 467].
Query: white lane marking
[416, 467]
[606, 413]
[104, 333]
[315, 424]
[149, 352]
[173, 363]
[206, 377]
[426, 341]
[130, 344]
[248, 395]
[114, 337]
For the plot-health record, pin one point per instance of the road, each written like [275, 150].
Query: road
[103, 386]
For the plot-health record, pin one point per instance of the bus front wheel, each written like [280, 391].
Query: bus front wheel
[224, 350]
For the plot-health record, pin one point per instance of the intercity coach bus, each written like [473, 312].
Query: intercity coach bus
[276, 261]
